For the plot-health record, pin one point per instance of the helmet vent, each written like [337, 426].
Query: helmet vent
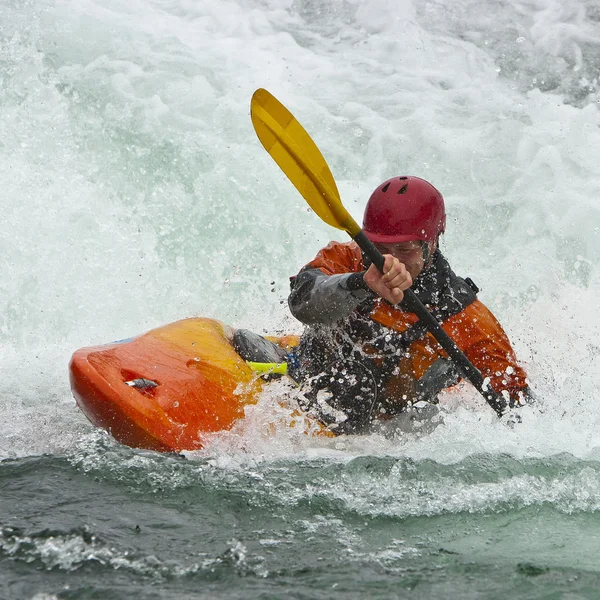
[385, 187]
[402, 178]
[403, 189]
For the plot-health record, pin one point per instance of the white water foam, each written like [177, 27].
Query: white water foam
[135, 191]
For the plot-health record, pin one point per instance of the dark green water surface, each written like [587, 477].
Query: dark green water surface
[109, 522]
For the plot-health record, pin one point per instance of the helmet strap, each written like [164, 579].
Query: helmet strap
[428, 252]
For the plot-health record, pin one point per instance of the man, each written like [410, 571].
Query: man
[364, 358]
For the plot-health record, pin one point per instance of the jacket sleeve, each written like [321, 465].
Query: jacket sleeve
[324, 299]
[481, 337]
[330, 287]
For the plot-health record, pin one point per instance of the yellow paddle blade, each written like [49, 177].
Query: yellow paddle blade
[300, 159]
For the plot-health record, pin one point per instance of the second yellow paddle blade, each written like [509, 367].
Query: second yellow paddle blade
[299, 158]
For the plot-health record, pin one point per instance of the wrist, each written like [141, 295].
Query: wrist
[356, 285]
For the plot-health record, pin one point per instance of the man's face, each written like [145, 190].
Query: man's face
[408, 253]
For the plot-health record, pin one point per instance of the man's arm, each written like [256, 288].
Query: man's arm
[481, 337]
[332, 285]
[324, 299]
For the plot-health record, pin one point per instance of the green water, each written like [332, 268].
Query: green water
[108, 522]
[133, 193]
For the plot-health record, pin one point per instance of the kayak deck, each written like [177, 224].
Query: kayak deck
[195, 383]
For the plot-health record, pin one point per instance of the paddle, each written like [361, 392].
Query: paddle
[299, 158]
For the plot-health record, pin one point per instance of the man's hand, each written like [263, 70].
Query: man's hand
[390, 284]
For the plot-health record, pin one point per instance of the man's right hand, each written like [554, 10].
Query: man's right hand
[391, 283]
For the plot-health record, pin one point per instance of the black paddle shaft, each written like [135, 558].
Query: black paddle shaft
[413, 304]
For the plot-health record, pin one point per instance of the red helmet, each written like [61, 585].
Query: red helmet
[403, 209]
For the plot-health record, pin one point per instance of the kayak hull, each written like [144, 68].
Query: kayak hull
[193, 383]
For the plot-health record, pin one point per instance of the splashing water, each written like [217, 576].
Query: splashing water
[135, 193]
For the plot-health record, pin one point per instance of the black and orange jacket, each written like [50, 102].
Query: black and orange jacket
[323, 296]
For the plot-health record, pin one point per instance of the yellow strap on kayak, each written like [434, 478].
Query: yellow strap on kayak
[266, 368]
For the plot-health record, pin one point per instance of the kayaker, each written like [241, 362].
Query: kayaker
[362, 357]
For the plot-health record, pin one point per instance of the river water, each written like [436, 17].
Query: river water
[135, 193]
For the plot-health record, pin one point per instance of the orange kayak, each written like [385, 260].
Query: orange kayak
[164, 389]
